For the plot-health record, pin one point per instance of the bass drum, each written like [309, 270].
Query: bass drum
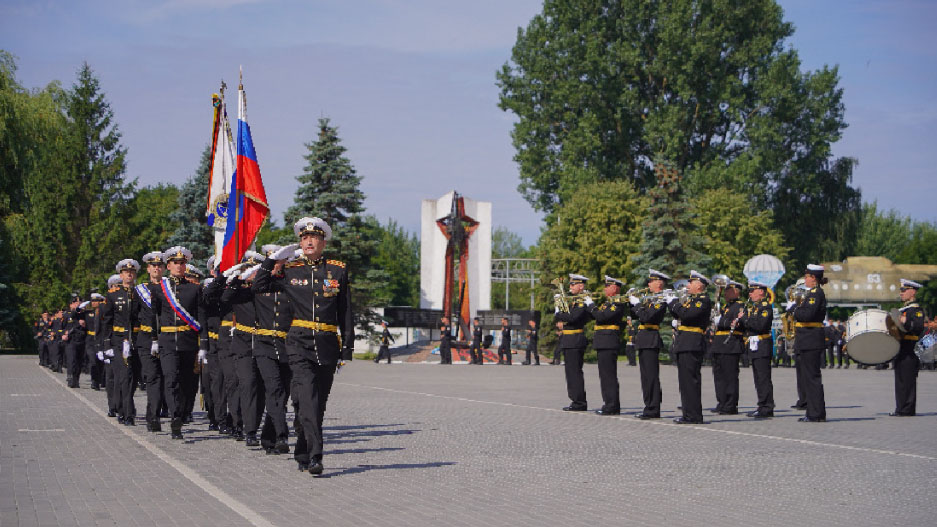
[872, 337]
[926, 348]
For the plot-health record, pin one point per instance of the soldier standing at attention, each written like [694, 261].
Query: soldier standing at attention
[756, 322]
[810, 342]
[689, 346]
[322, 332]
[445, 341]
[532, 340]
[647, 341]
[74, 339]
[476, 349]
[93, 327]
[726, 350]
[573, 342]
[504, 349]
[906, 362]
[607, 343]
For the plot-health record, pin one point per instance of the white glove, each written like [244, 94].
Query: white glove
[202, 355]
[556, 310]
[634, 300]
[84, 304]
[109, 353]
[233, 270]
[246, 274]
[285, 252]
[154, 348]
[788, 305]
[716, 319]
[588, 301]
[669, 298]
[126, 348]
[204, 361]
[232, 277]
[100, 355]
[107, 361]
[126, 353]
[675, 323]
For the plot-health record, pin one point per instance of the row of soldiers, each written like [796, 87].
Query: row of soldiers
[738, 328]
[274, 326]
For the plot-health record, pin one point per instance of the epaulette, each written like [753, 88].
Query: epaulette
[814, 290]
[114, 289]
[294, 263]
[336, 262]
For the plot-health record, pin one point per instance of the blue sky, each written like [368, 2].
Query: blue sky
[410, 84]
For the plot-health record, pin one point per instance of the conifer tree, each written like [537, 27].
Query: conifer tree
[191, 229]
[672, 242]
[329, 189]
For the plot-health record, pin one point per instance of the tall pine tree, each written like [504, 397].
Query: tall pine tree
[191, 230]
[672, 243]
[329, 189]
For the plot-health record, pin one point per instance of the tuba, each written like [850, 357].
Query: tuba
[559, 299]
[721, 281]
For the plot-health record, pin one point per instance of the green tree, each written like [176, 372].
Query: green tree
[329, 189]
[672, 242]
[508, 244]
[734, 233]
[398, 254]
[148, 223]
[602, 87]
[190, 228]
[882, 233]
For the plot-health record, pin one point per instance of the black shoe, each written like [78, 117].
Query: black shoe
[571, 409]
[238, 434]
[282, 447]
[897, 414]
[729, 412]
[685, 421]
[302, 466]
[643, 416]
[120, 419]
[316, 468]
[187, 420]
[758, 414]
[251, 440]
[269, 450]
[806, 419]
[129, 422]
[607, 412]
[799, 406]
[155, 426]
[111, 413]
[177, 435]
[213, 427]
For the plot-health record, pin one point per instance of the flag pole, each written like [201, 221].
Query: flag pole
[237, 172]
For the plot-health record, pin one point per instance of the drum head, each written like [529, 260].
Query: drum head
[871, 337]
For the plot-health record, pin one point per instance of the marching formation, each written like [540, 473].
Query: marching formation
[272, 328]
[739, 330]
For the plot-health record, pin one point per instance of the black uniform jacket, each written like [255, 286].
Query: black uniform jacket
[211, 304]
[239, 296]
[723, 328]
[74, 329]
[532, 339]
[913, 326]
[756, 322]
[211, 297]
[505, 338]
[273, 318]
[694, 319]
[477, 335]
[319, 294]
[174, 334]
[386, 337]
[93, 329]
[573, 322]
[143, 338]
[608, 314]
[650, 315]
[120, 315]
[808, 321]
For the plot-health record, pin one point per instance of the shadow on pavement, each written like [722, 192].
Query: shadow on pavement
[394, 466]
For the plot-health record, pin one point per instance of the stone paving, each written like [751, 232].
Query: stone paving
[424, 444]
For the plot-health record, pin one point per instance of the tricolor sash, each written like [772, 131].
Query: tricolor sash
[177, 307]
[145, 295]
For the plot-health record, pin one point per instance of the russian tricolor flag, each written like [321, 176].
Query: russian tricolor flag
[247, 201]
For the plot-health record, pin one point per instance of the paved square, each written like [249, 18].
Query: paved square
[421, 444]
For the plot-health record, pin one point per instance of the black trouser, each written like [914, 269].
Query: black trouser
[557, 355]
[830, 359]
[608, 379]
[277, 378]
[630, 353]
[219, 398]
[726, 381]
[251, 407]
[445, 353]
[531, 350]
[123, 385]
[232, 393]
[312, 384]
[44, 352]
[504, 353]
[842, 356]
[56, 357]
[575, 383]
[177, 373]
[153, 377]
[801, 383]
[649, 363]
[109, 386]
[809, 369]
[383, 352]
[476, 352]
[204, 383]
[95, 367]
[906, 368]
[190, 389]
[688, 375]
[761, 372]
[74, 351]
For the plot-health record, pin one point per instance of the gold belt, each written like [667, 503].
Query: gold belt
[227, 323]
[911, 337]
[121, 329]
[318, 326]
[726, 332]
[808, 324]
[572, 331]
[212, 335]
[270, 333]
[245, 329]
[611, 326]
[92, 333]
[174, 329]
[147, 329]
[649, 326]
[690, 328]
